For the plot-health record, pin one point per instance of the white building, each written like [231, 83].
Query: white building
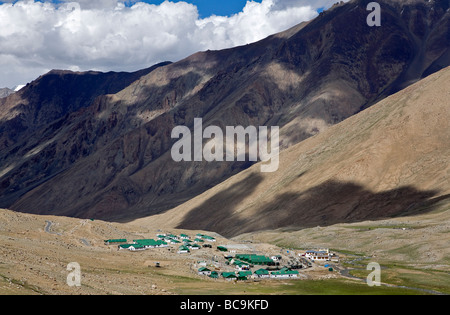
[284, 274]
[276, 258]
[183, 250]
[204, 271]
[193, 246]
[135, 248]
[261, 274]
[321, 255]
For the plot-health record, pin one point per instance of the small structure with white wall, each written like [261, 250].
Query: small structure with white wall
[320, 255]
[203, 271]
[261, 274]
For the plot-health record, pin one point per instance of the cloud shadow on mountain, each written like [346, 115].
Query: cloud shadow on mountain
[327, 204]
[214, 212]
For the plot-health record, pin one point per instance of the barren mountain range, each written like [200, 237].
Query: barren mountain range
[97, 145]
[391, 160]
[4, 92]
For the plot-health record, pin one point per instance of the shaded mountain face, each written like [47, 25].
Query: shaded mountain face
[42, 110]
[392, 160]
[109, 157]
[55, 95]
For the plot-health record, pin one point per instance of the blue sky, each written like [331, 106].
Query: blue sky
[209, 7]
[224, 8]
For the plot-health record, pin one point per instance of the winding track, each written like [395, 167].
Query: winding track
[48, 225]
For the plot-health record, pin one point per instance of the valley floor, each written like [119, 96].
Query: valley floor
[35, 252]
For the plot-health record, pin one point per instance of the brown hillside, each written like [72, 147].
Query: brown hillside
[108, 157]
[390, 160]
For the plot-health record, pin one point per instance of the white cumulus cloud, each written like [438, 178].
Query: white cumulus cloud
[106, 35]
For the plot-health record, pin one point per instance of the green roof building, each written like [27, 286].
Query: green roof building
[241, 265]
[261, 273]
[183, 249]
[244, 275]
[136, 247]
[285, 273]
[255, 259]
[151, 243]
[209, 238]
[204, 271]
[229, 275]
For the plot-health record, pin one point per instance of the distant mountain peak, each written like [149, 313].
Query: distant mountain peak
[5, 92]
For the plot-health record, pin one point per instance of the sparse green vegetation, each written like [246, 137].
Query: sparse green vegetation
[427, 281]
[300, 287]
[363, 228]
[18, 286]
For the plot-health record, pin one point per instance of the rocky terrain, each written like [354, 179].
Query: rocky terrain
[36, 251]
[66, 149]
[364, 167]
[4, 92]
[391, 160]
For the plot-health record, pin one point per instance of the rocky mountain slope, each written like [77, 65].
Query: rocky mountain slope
[392, 160]
[109, 157]
[35, 116]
